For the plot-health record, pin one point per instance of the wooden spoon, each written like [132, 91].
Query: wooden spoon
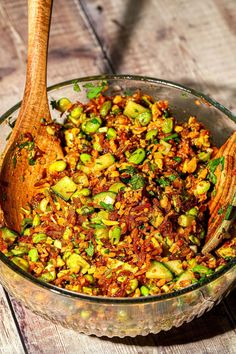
[18, 176]
[222, 205]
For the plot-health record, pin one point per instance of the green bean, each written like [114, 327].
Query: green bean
[105, 108]
[144, 118]
[137, 156]
[85, 158]
[111, 133]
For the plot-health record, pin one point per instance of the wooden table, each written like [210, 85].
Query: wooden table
[188, 41]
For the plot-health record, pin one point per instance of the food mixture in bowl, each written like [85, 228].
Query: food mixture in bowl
[125, 213]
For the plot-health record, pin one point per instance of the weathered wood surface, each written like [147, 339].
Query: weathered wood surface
[188, 41]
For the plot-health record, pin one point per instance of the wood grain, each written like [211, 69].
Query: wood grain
[185, 40]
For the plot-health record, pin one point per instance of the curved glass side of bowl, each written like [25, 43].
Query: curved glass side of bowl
[128, 316]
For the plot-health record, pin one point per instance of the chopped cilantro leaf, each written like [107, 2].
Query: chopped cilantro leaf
[163, 182]
[76, 86]
[94, 91]
[212, 165]
[172, 177]
[137, 181]
[31, 161]
[53, 104]
[90, 249]
[127, 92]
[177, 159]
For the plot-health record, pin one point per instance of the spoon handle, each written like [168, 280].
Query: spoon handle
[35, 95]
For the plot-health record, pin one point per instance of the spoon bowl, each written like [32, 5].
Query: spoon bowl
[29, 147]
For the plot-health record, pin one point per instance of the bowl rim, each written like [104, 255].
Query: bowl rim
[124, 300]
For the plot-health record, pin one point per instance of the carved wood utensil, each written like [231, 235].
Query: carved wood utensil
[29, 148]
[222, 205]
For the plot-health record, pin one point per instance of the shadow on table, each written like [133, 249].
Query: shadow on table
[217, 322]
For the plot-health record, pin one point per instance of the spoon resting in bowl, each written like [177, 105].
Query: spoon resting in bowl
[223, 202]
[29, 147]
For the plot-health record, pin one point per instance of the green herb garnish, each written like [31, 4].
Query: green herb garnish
[163, 182]
[177, 159]
[76, 86]
[94, 91]
[137, 181]
[212, 165]
[90, 249]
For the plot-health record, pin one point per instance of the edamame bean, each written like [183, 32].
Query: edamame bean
[63, 104]
[167, 126]
[145, 118]
[111, 133]
[57, 166]
[202, 187]
[85, 158]
[76, 112]
[105, 108]
[137, 156]
[193, 212]
[144, 290]
[91, 126]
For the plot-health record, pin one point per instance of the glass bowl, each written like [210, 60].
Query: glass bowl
[126, 316]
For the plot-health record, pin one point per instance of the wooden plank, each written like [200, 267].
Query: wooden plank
[212, 333]
[187, 41]
[10, 341]
[167, 47]
[73, 50]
